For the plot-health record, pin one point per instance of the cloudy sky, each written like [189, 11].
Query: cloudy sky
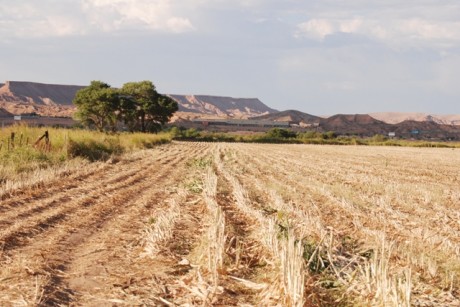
[321, 57]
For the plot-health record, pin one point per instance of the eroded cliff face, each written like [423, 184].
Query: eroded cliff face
[396, 118]
[222, 106]
[19, 97]
[38, 93]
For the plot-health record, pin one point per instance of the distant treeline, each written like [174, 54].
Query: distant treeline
[285, 136]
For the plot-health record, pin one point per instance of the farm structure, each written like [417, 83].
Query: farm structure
[37, 120]
[242, 123]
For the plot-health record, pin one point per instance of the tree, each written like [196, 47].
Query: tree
[279, 133]
[97, 105]
[143, 108]
[137, 104]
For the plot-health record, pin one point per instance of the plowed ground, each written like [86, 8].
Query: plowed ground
[238, 225]
[78, 239]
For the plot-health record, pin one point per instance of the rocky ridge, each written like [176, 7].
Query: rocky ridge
[19, 97]
[396, 118]
[222, 106]
[54, 100]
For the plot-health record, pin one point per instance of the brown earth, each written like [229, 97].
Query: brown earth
[91, 237]
[139, 230]
[77, 239]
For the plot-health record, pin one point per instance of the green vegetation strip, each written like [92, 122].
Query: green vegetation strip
[285, 136]
[24, 148]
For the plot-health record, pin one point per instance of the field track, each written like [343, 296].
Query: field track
[238, 224]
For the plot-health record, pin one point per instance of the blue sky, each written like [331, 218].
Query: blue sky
[320, 57]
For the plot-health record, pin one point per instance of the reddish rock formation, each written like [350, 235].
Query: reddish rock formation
[222, 106]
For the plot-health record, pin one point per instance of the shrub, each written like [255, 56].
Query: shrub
[279, 133]
[329, 135]
[94, 150]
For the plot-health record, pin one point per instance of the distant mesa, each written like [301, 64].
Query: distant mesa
[38, 93]
[19, 97]
[294, 117]
[355, 124]
[396, 118]
[221, 106]
[53, 100]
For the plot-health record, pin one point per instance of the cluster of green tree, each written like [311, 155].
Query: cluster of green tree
[274, 135]
[285, 136]
[137, 106]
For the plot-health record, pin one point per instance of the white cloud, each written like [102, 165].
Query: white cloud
[112, 15]
[414, 25]
[33, 19]
[351, 26]
[413, 32]
[25, 19]
[320, 28]
[424, 29]
[316, 28]
[62, 26]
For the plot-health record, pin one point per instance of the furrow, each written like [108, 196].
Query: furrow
[28, 228]
[55, 194]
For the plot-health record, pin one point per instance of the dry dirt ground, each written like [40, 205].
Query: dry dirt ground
[238, 225]
[80, 239]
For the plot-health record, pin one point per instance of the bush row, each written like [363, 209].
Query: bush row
[285, 136]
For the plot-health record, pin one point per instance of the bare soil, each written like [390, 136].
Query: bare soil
[78, 240]
[385, 231]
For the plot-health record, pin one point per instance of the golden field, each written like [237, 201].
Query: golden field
[191, 223]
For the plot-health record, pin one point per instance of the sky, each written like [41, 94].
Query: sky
[320, 57]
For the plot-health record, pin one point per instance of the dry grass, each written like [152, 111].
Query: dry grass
[25, 162]
[379, 224]
[161, 225]
[27, 153]
[277, 225]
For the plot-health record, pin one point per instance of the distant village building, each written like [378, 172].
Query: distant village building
[242, 123]
[305, 125]
[392, 134]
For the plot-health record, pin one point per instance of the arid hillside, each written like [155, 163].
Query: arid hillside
[56, 100]
[291, 116]
[367, 125]
[222, 106]
[355, 124]
[38, 93]
[396, 118]
[44, 99]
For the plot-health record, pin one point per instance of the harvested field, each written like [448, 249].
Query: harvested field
[238, 225]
